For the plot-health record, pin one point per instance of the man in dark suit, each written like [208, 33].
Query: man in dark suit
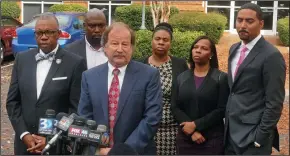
[256, 78]
[90, 47]
[44, 78]
[123, 94]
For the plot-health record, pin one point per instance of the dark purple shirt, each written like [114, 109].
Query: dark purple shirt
[198, 81]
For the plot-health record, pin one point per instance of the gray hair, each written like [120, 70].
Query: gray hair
[96, 11]
[47, 16]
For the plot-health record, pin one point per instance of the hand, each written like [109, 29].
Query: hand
[104, 151]
[28, 141]
[41, 141]
[188, 127]
[197, 137]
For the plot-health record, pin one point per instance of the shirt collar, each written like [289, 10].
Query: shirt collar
[54, 50]
[92, 48]
[122, 69]
[251, 44]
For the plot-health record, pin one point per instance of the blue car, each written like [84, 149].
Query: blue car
[71, 26]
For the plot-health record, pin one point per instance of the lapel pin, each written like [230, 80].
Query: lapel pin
[58, 61]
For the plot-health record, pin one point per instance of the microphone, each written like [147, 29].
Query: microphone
[93, 137]
[46, 124]
[78, 131]
[63, 125]
[104, 140]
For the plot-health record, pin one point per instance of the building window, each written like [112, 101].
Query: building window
[32, 8]
[222, 7]
[109, 8]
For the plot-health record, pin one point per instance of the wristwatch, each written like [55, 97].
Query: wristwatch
[257, 144]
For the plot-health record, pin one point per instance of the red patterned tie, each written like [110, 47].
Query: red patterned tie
[241, 59]
[113, 102]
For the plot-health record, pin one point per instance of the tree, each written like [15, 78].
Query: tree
[160, 11]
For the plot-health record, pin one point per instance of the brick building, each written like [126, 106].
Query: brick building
[273, 10]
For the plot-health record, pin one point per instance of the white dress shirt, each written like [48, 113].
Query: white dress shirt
[236, 58]
[120, 76]
[94, 57]
[42, 69]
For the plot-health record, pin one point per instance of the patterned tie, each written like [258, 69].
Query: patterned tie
[40, 56]
[241, 59]
[113, 102]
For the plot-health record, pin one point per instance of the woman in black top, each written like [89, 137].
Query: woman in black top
[169, 67]
[200, 97]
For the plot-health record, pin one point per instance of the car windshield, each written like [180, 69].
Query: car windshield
[62, 20]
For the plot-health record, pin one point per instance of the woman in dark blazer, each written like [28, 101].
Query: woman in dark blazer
[169, 67]
[199, 100]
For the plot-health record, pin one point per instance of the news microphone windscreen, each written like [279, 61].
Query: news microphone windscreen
[91, 124]
[60, 115]
[102, 128]
[80, 121]
[122, 149]
[50, 113]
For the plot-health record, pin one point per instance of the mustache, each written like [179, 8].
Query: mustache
[245, 31]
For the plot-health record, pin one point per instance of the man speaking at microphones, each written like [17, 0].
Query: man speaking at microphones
[46, 77]
[122, 94]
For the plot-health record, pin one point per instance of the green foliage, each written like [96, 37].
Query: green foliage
[283, 30]
[11, 9]
[212, 24]
[180, 45]
[67, 7]
[132, 15]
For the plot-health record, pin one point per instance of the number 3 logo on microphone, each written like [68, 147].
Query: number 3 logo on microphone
[44, 123]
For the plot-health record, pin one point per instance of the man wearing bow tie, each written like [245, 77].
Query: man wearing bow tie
[43, 78]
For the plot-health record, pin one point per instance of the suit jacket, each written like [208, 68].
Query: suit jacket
[204, 105]
[139, 109]
[23, 107]
[178, 66]
[257, 94]
[79, 48]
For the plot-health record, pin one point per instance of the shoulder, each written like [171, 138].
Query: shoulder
[97, 69]
[235, 45]
[177, 59]
[71, 56]
[74, 44]
[144, 68]
[27, 54]
[184, 75]
[220, 75]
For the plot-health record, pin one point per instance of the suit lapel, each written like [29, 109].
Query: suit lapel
[232, 54]
[128, 83]
[53, 69]
[82, 52]
[253, 53]
[104, 91]
[33, 67]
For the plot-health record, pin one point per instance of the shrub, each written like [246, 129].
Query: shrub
[212, 24]
[67, 7]
[180, 45]
[283, 30]
[132, 15]
[10, 9]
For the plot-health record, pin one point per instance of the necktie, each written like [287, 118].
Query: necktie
[113, 102]
[241, 59]
[40, 56]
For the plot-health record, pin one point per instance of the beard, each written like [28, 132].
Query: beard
[95, 41]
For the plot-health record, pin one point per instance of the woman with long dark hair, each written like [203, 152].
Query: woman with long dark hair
[200, 98]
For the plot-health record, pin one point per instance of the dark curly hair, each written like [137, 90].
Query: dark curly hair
[213, 62]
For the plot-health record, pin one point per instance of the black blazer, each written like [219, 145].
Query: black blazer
[205, 105]
[179, 65]
[79, 48]
[23, 107]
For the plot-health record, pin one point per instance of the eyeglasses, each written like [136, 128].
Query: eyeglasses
[47, 33]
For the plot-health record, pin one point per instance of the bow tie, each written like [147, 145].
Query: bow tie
[39, 56]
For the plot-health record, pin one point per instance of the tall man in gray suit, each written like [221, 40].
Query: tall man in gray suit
[90, 47]
[256, 78]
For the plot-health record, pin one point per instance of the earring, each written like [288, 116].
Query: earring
[210, 58]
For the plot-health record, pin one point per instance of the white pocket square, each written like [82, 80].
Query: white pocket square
[59, 78]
